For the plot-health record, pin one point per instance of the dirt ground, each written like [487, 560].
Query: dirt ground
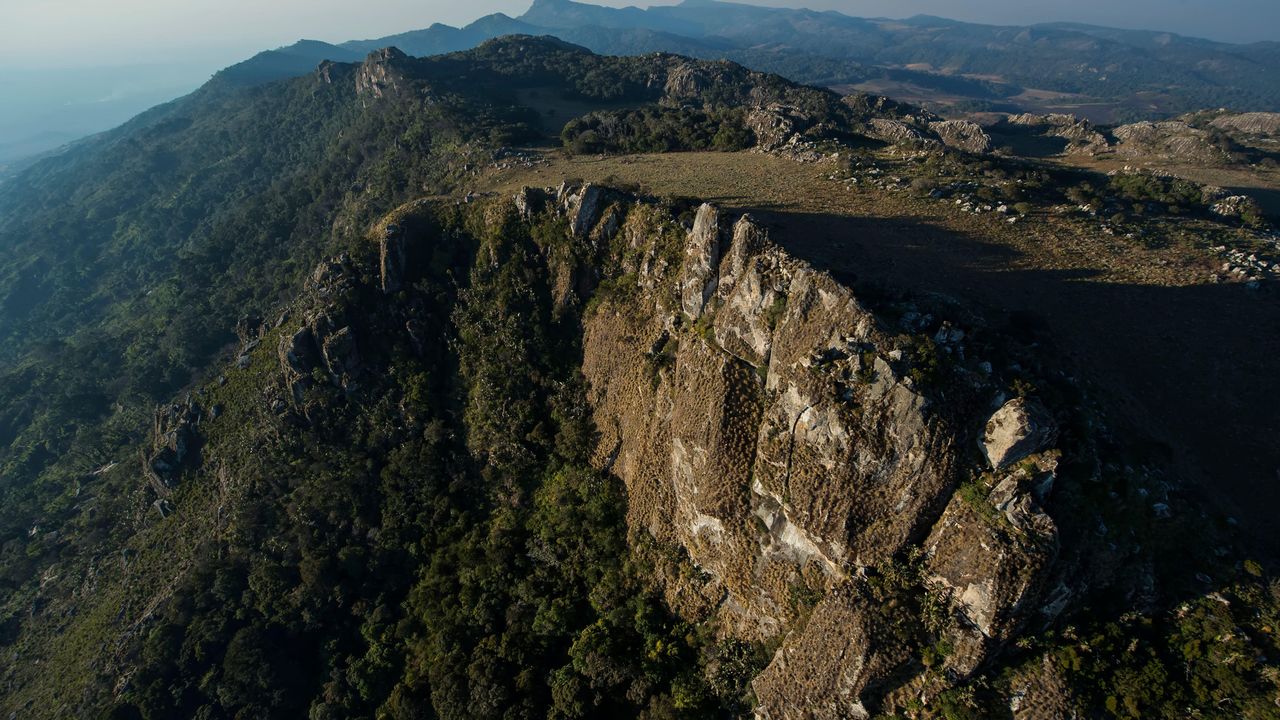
[1192, 365]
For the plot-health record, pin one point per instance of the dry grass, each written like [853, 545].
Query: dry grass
[779, 187]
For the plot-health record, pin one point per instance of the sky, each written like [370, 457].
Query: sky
[46, 33]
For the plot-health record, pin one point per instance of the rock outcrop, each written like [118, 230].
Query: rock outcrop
[174, 440]
[702, 260]
[582, 205]
[775, 125]
[391, 258]
[325, 345]
[1255, 124]
[962, 135]
[990, 553]
[1169, 140]
[763, 422]
[822, 671]
[378, 76]
[1080, 134]
[892, 131]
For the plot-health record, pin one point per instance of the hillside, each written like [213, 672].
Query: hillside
[129, 259]
[662, 462]
[526, 382]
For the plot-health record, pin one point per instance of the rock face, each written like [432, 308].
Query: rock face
[962, 135]
[762, 421]
[1020, 427]
[773, 453]
[378, 77]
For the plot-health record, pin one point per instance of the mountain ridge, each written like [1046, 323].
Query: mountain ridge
[1155, 80]
[345, 396]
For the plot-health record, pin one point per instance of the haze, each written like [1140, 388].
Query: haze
[69, 68]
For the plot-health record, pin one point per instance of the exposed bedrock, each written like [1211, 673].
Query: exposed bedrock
[763, 421]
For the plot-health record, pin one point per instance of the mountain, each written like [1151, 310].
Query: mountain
[352, 395]
[295, 60]
[1110, 66]
[441, 38]
[1107, 74]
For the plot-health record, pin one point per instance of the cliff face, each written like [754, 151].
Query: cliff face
[764, 421]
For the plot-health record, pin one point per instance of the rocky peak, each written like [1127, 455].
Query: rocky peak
[379, 75]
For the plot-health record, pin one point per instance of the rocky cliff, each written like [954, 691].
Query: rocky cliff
[767, 423]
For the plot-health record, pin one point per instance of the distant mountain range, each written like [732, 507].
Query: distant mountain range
[1105, 74]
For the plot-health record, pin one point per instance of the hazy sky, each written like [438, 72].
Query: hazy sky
[73, 32]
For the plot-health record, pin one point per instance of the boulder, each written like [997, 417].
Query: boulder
[1019, 428]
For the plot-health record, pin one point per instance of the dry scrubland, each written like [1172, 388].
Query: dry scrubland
[1179, 359]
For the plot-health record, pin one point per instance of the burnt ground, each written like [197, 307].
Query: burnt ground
[1191, 366]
